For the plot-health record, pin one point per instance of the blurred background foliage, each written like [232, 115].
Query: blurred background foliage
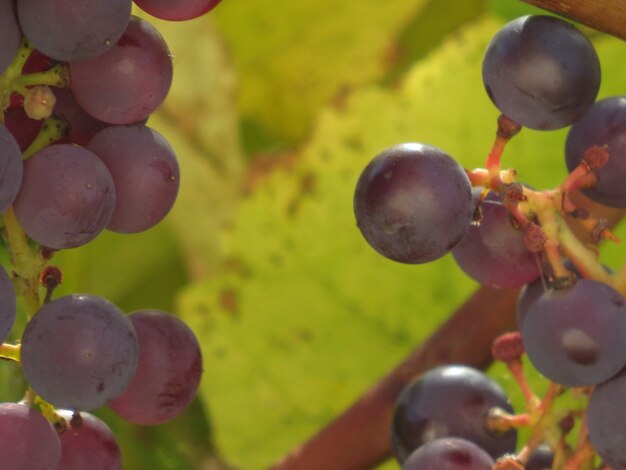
[275, 108]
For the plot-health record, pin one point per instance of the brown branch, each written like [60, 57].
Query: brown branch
[604, 15]
[359, 439]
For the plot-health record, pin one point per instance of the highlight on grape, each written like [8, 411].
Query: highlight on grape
[413, 203]
[78, 81]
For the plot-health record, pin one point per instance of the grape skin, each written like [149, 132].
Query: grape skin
[79, 352]
[72, 30]
[67, 196]
[145, 173]
[88, 443]
[168, 373]
[27, 440]
[449, 454]
[413, 203]
[541, 72]
[128, 82]
[604, 125]
[10, 34]
[180, 10]
[494, 252]
[449, 401]
[11, 168]
[606, 416]
[575, 336]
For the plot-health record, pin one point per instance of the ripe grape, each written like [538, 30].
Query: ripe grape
[604, 125]
[73, 29]
[10, 33]
[88, 443]
[541, 72]
[27, 440]
[169, 370]
[128, 82]
[606, 418]
[540, 459]
[494, 252]
[177, 11]
[11, 168]
[79, 352]
[449, 401]
[449, 454]
[145, 173]
[574, 336]
[413, 203]
[67, 196]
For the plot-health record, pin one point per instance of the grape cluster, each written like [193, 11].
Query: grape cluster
[78, 82]
[413, 204]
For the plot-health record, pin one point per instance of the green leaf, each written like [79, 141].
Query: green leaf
[295, 56]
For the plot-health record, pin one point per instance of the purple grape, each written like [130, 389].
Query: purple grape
[10, 34]
[11, 168]
[88, 443]
[82, 127]
[145, 173]
[606, 421]
[169, 370]
[574, 336]
[71, 30]
[541, 72]
[177, 11]
[527, 296]
[29, 442]
[494, 252]
[540, 459]
[79, 352]
[604, 125]
[449, 401]
[413, 203]
[127, 83]
[449, 454]
[67, 196]
[7, 304]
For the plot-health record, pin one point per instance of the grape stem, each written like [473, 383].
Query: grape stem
[10, 352]
[27, 262]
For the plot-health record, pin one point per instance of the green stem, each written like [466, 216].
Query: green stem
[10, 352]
[54, 128]
[27, 262]
[12, 73]
[57, 76]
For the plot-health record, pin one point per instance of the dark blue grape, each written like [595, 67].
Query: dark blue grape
[11, 168]
[73, 29]
[575, 336]
[540, 458]
[413, 203]
[494, 253]
[79, 352]
[67, 196]
[10, 33]
[606, 421]
[604, 125]
[449, 454]
[449, 401]
[541, 72]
